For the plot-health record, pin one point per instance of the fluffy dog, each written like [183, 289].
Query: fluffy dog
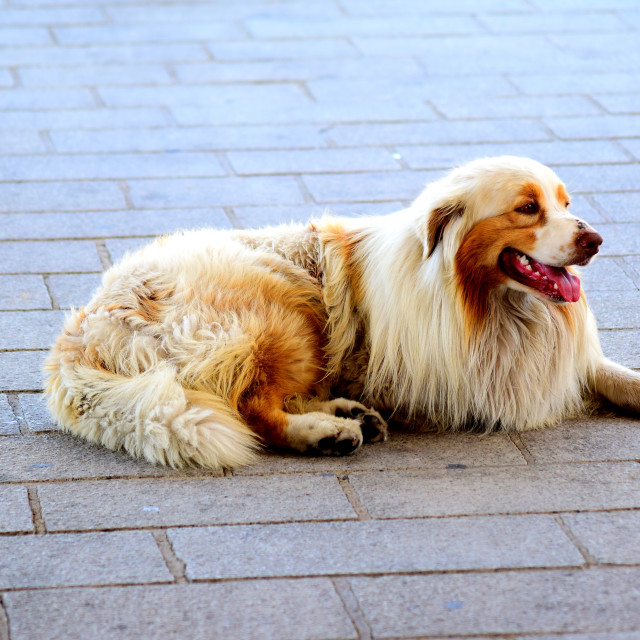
[461, 310]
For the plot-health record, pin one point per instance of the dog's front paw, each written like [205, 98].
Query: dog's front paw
[317, 433]
[374, 428]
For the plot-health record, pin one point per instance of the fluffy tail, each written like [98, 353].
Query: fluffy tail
[150, 415]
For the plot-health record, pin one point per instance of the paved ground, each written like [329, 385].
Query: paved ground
[120, 121]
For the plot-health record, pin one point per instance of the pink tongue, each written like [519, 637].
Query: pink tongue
[568, 284]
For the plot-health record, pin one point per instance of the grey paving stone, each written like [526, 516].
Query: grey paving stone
[8, 421]
[623, 346]
[6, 79]
[13, 142]
[93, 76]
[520, 602]
[148, 222]
[119, 248]
[269, 216]
[119, 557]
[620, 207]
[85, 119]
[117, 165]
[54, 456]
[620, 239]
[607, 635]
[306, 549]
[610, 537]
[15, 514]
[446, 132]
[549, 153]
[582, 207]
[21, 370]
[312, 161]
[48, 257]
[516, 106]
[212, 192]
[633, 146]
[45, 98]
[29, 329]
[106, 54]
[23, 292]
[600, 177]
[300, 49]
[615, 126]
[597, 438]
[60, 196]
[494, 490]
[177, 501]
[403, 451]
[276, 28]
[150, 32]
[562, 22]
[35, 412]
[247, 610]
[617, 309]
[279, 70]
[223, 98]
[368, 185]
[605, 274]
[623, 103]
[420, 8]
[23, 36]
[587, 82]
[189, 139]
[50, 16]
[73, 290]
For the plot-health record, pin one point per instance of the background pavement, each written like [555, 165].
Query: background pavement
[120, 121]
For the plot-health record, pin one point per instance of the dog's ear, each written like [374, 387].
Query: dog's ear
[439, 218]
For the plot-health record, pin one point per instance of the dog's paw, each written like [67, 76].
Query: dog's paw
[320, 434]
[374, 428]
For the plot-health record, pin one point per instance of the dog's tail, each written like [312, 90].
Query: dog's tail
[150, 415]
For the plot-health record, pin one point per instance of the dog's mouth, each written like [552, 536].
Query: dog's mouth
[555, 283]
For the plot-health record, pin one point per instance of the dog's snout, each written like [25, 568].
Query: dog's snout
[589, 241]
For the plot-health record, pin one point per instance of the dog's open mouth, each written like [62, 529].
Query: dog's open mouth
[554, 282]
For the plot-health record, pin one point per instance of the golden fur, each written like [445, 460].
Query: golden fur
[205, 344]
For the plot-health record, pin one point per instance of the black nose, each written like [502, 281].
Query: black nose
[590, 241]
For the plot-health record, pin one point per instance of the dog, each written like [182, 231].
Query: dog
[464, 309]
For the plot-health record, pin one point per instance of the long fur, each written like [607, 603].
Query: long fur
[205, 343]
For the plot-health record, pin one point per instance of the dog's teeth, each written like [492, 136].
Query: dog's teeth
[535, 273]
[529, 268]
[555, 285]
[545, 278]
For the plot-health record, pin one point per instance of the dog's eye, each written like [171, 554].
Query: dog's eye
[530, 207]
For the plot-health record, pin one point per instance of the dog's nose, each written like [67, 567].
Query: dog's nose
[589, 242]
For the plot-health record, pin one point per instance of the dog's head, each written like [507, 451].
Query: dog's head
[505, 222]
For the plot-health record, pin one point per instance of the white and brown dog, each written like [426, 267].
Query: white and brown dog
[460, 310]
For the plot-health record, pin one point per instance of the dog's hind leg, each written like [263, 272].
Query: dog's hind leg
[619, 385]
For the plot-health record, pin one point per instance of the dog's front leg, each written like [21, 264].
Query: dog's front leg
[619, 385]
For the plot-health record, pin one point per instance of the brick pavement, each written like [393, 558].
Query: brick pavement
[120, 120]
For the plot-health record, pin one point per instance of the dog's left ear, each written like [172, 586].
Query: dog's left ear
[438, 220]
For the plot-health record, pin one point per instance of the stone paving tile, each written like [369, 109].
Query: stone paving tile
[148, 222]
[201, 501]
[97, 167]
[8, 422]
[60, 196]
[611, 81]
[622, 346]
[23, 292]
[52, 456]
[614, 126]
[21, 371]
[118, 557]
[518, 602]
[48, 257]
[621, 239]
[283, 49]
[599, 178]
[248, 610]
[46, 98]
[188, 139]
[93, 76]
[20, 141]
[402, 451]
[35, 412]
[623, 103]
[201, 192]
[50, 16]
[616, 310]
[421, 9]
[311, 161]
[586, 439]
[622, 635]
[15, 515]
[562, 22]
[396, 494]
[610, 537]
[306, 549]
[73, 290]
[620, 207]
[119, 248]
[29, 329]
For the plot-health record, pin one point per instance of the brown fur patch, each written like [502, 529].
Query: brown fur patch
[438, 221]
[563, 196]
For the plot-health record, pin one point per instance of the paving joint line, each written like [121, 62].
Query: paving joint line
[177, 568]
[233, 218]
[5, 628]
[589, 559]
[103, 254]
[352, 608]
[16, 408]
[522, 448]
[55, 303]
[36, 510]
[354, 499]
